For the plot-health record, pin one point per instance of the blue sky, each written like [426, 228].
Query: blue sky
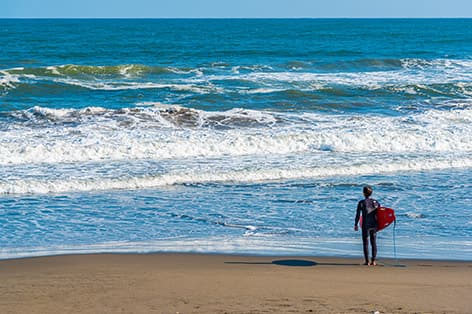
[235, 8]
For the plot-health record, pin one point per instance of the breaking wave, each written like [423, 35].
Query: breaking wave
[213, 175]
[411, 76]
[164, 132]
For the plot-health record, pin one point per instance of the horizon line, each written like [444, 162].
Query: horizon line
[231, 18]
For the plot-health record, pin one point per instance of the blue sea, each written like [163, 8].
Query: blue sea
[241, 136]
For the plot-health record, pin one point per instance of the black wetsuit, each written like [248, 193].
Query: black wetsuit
[368, 208]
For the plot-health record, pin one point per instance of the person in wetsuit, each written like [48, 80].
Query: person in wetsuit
[368, 207]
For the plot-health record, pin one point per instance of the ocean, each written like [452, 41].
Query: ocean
[239, 136]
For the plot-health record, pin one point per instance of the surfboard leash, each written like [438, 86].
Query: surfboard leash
[394, 241]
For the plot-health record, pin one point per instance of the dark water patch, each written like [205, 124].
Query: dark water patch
[344, 53]
[363, 65]
[295, 94]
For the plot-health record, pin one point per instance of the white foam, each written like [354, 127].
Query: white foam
[261, 91]
[238, 113]
[114, 86]
[7, 80]
[422, 64]
[237, 69]
[128, 71]
[169, 132]
[53, 70]
[209, 244]
[212, 174]
[370, 80]
[159, 105]
[56, 114]
[415, 215]
[197, 72]
[413, 72]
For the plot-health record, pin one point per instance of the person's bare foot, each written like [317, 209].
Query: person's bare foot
[373, 263]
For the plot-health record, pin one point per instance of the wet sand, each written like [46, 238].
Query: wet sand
[194, 283]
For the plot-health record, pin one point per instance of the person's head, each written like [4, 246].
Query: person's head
[367, 191]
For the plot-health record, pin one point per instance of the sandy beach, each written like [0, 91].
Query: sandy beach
[193, 283]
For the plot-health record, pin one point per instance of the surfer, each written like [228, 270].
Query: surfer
[368, 207]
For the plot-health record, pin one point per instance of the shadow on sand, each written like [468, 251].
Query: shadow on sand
[294, 263]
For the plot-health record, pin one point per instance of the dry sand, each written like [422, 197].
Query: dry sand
[192, 283]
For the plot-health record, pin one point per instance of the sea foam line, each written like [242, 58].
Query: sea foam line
[212, 244]
[35, 186]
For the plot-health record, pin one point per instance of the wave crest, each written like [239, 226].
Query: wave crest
[163, 132]
[254, 175]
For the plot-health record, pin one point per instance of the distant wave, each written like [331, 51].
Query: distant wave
[458, 89]
[88, 71]
[119, 77]
[379, 64]
[411, 76]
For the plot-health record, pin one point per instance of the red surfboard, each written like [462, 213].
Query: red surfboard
[385, 217]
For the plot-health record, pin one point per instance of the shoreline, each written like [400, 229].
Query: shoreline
[225, 283]
[389, 260]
